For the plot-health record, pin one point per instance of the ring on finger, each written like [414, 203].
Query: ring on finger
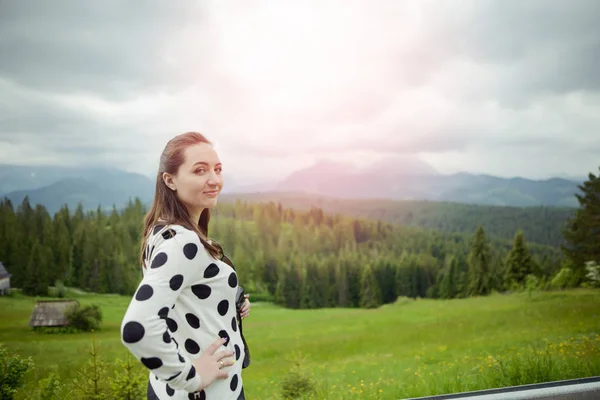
[222, 364]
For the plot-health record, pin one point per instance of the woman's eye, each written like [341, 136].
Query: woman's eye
[218, 170]
[201, 170]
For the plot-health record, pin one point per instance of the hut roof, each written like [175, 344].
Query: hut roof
[3, 272]
[51, 313]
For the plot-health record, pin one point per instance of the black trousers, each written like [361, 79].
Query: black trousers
[152, 396]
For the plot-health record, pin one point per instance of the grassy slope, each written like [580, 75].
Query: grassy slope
[405, 349]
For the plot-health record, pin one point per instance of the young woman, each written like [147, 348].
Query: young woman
[181, 323]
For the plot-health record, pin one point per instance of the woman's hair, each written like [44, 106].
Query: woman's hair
[166, 207]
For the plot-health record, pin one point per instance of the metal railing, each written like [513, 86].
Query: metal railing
[572, 389]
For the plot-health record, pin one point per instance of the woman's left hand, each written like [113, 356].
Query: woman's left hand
[245, 310]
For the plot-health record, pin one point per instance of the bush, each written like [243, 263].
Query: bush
[593, 273]
[86, 318]
[130, 383]
[565, 278]
[296, 382]
[12, 371]
[61, 291]
[50, 387]
[262, 296]
[532, 283]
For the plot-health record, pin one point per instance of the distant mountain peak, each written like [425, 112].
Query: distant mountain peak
[401, 165]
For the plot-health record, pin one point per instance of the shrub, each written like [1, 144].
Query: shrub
[130, 382]
[593, 273]
[12, 371]
[50, 387]
[86, 318]
[563, 279]
[296, 382]
[61, 291]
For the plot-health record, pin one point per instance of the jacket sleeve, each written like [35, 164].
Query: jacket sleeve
[171, 267]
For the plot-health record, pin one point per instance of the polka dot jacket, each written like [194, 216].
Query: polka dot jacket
[185, 301]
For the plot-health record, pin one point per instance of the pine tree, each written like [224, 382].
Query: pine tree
[479, 265]
[582, 234]
[448, 284]
[518, 263]
[312, 296]
[403, 276]
[341, 279]
[370, 293]
[288, 288]
[61, 245]
[36, 277]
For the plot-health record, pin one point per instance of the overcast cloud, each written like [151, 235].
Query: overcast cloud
[503, 87]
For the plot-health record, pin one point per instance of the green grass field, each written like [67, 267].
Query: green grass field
[407, 349]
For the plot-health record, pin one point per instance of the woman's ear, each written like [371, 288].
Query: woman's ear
[168, 180]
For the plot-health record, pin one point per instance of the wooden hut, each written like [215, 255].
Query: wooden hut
[4, 280]
[51, 313]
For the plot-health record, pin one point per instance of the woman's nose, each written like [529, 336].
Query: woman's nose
[213, 179]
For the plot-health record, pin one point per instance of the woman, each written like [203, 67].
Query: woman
[181, 323]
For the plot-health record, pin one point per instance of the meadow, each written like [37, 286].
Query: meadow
[406, 349]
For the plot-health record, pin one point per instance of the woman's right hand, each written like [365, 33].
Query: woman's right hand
[209, 364]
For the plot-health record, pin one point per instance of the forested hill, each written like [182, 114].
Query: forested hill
[305, 259]
[541, 224]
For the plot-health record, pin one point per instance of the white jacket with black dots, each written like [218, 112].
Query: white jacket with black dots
[185, 301]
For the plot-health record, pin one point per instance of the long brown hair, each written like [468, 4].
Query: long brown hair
[166, 207]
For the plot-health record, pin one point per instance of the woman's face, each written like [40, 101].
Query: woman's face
[198, 181]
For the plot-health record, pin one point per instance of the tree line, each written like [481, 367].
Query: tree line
[540, 224]
[301, 259]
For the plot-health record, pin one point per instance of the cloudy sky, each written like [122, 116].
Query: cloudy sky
[505, 87]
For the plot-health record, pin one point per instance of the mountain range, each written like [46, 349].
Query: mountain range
[401, 179]
[54, 186]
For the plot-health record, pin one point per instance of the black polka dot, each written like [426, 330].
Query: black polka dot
[159, 260]
[175, 341]
[191, 374]
[233, 280]
[225, 335]
[190, 250]
[170, 391]
[191, 346]
[152, 362]
[223, 307]
[150, 253]
[201, 396]
[201, 291]
[168, 234]
[234, 382]
[175, 282]
[172, 324]
[234, 324]
[133, 332]
[211, 271]
[163, 312]
[166, 337]
[157, 229]
[144, 293]
[180, 358]
[238, 352]
[192, 320]
[174, 376]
